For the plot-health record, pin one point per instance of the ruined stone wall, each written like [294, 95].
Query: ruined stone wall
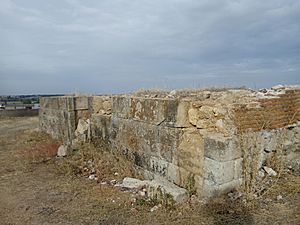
[59, 115]
[192, 139]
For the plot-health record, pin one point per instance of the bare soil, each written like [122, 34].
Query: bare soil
[37, 190]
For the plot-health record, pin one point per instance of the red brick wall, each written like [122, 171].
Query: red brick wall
[273, 113]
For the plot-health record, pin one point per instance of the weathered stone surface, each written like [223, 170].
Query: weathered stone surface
[154, 111]
[121, 107]
[102, 105]
[270, 171]
[218, 172]
[190, 152]
[202, 124]
[82, 126]
[133, 183]
[167, 142]
[172, 136]
[81, 102]
[182, 117]
[59, 123]
[211, 189]
[159, 166]
[220, 148]
[101, 128]
[158, 186]
[193, 115]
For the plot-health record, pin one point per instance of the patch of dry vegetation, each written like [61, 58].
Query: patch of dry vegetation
[38, 147]
[86, 160]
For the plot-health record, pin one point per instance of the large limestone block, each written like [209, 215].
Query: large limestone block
[158, 188]
[210, 189]
[220, 148]
[162, 186]
[190, 152]
[100, 127]
[159, 166]
[49, 102]
[121, 107]
[81, 102]
[168, 141]
[218, 172]
[182, 117]
[158, 111]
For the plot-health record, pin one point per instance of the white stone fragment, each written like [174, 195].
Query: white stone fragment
[62, 151]
[133, 183]
[270, 171]
[152, 187]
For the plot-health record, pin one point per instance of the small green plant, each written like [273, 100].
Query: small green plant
[190, 185]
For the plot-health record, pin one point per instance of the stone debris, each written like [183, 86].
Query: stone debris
[179, 194]
[279, 197]
[261, 174]
[92, 177]
[270, 171]
[154, 188]
[113, 182]
[82, 126]
[133, 183]
[62, 151]
[156, 207]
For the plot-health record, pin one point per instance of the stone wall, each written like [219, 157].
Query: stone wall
[59, 115]
[190, 138]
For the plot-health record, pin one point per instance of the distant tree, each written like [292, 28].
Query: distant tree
[26, 101]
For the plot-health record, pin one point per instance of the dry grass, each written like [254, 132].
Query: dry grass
[86, 159]
[39, 147]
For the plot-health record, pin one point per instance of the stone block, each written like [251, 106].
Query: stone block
[190, 152]
[170, 110]
[185, 178]
[148, 110]
[100, 127]
[220, 148]
[182, 117]
[160, 187]
[121, 107]
[159, 166]
[81, 102]
[218, 172]
[173, 174]
[102, 105]
[49, 102]
[167, 141]
[210, 189]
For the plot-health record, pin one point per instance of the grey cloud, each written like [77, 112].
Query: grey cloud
[115, 46]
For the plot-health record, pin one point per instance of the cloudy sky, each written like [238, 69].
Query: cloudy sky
[105, 46]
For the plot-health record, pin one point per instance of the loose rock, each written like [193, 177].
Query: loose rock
[62, 151]
[270, 171]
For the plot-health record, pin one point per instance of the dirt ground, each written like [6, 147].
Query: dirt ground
[39, 192]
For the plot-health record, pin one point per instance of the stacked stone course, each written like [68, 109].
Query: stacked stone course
[182, 137]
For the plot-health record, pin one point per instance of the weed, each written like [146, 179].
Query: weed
[190, 185]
